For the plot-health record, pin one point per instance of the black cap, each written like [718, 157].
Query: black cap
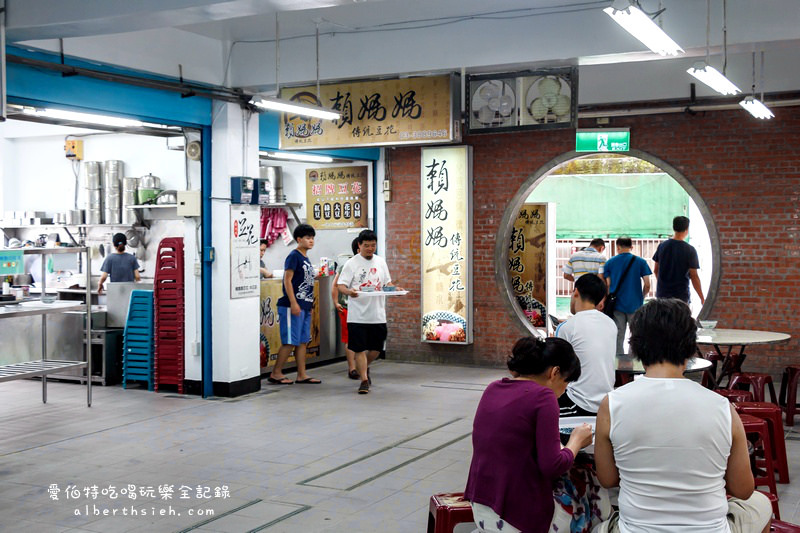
[119, 238]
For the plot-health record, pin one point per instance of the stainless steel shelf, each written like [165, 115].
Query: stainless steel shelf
[48, 251]
[30, 369]
[33, 308]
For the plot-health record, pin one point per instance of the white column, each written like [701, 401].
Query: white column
[234, 323]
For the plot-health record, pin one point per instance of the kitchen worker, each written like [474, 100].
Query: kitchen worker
[121, 266]
[262, 267]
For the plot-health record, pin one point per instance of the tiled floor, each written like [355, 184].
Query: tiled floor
[300, 458]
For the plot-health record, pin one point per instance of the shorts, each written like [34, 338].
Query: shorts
[568, 408]
[295, 329]
[343, 322]
[365, 337]
[744, 516]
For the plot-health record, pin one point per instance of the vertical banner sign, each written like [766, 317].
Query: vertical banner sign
[245, 227]
[527, 262]
[446, 251]
[336, 198]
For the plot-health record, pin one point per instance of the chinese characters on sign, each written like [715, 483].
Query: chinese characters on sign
[527, 262]
[446, 238]
[336, 198]
[376, 113]
[245, 228]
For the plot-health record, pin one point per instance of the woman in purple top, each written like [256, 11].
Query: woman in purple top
[517, 452]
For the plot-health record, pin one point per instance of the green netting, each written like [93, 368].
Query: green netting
[639, 205]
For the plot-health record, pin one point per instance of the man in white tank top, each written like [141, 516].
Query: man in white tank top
[673, 447]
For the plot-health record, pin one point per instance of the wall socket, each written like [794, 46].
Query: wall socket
[195, 349]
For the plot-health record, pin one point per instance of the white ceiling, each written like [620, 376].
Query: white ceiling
[233, 42]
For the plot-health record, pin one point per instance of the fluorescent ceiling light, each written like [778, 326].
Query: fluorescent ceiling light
[713, 78]
[753, 106]
[87, 118]
[277, 104]
[638, 24]
[290, 156]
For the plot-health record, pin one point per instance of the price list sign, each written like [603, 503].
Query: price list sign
[336, 197]
[527, 262]
[446, 251]
[375, 113]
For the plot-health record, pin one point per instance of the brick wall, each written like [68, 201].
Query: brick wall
[746, 170]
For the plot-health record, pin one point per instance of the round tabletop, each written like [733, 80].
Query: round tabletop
[739, 337]
[626, 363]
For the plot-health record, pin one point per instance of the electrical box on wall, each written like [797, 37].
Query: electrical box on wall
[188, 203]
[261, 193]
[242, 189]
[74, 150]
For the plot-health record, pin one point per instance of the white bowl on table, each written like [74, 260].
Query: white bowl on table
[708, 324]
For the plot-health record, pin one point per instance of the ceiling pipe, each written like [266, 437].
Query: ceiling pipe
[631, 112]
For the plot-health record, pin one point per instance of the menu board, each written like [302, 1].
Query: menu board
[374, 113]
[446, 245]
[336, 198]
[244, 231]
[270, 332]
[527, 262]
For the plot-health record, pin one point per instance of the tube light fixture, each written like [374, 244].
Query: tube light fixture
[754, 106]
[641, 26]
[277, 104]
[713, 78]
[87, 118]
[291, 156]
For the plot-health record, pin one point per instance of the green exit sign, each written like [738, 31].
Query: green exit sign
[600, 140]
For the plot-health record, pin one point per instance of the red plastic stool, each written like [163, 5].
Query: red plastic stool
[789, 386]
[448, 510]
[773, 415]
[784, 527]
[776, 512]
[759, 383]
[759, 426]
[735, 395]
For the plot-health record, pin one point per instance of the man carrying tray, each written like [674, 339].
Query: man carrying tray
[366, 316]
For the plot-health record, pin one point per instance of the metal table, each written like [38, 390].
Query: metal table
[731, 338]
[43, 367]
[629, 364]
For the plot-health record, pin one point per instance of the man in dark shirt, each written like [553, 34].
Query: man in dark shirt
[676, 264]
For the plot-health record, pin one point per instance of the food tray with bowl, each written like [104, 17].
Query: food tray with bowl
[566, 425]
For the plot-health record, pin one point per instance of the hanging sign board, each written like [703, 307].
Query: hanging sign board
[446, 239]
[600, 140]
[527, 262]
[336, 197]
[11, 262]
[375, 113]
[244, 231]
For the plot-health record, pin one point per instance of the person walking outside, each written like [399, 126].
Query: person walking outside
[120, 265]
[677, 264]
[294, 309]
[590, 260]
[340, 301]
[366, 315]
[628, 278]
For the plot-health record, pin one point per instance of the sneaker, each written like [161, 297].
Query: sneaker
[364, 387]
[353, 374]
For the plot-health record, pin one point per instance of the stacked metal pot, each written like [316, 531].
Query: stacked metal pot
[129, 186]
[94, 192]
[112, 188]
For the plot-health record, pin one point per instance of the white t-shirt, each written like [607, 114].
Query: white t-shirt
[671, 439]
[593, 336]
[358, 273]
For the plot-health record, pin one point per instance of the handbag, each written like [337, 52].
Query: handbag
[611, 300]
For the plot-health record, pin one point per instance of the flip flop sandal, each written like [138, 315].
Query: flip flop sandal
[282, 381]
[364, 387]
[308, 381]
